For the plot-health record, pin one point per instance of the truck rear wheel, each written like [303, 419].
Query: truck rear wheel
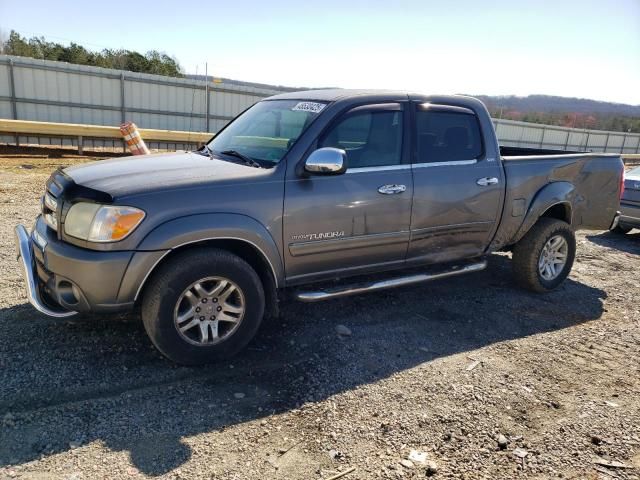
[543, 258]
[202, 306]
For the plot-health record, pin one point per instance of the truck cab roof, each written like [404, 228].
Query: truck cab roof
[373, 95]
[334, 94]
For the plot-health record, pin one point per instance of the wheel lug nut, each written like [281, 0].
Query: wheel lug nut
[219, 308]
[215, 300]
[201, 318]
[204, 300]
[213, 318]
[197, 309]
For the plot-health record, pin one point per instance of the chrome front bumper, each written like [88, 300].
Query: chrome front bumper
[24, 253]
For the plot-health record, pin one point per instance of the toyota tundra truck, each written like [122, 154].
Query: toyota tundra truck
[316, 195]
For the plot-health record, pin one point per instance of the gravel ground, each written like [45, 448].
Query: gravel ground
[484, 379]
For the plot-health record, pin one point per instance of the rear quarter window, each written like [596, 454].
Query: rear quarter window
[447, 136]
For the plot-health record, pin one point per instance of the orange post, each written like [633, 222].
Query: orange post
[133, 139]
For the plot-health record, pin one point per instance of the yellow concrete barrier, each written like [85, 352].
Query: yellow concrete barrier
[48, 129]
[31, 128]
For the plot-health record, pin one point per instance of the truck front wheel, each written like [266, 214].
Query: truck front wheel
[202, 306]
[543, 258]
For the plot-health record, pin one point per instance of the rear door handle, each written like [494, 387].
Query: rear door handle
[483, 182]
[391, 189]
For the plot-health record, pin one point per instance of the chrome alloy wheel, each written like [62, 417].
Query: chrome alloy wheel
[209, 311]
[553, 257]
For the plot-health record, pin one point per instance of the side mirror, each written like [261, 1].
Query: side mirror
[326, 161]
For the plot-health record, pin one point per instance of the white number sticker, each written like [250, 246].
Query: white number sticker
[312, 107]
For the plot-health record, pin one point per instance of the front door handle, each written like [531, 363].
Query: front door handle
[483, 182]
[392, 189]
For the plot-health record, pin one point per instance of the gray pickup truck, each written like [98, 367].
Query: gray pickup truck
[320, 194]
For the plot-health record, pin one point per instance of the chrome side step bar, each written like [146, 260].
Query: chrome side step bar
[319, 295]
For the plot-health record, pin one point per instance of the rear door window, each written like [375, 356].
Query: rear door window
[443, 136]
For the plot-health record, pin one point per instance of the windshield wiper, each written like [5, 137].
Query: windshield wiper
[243, 157]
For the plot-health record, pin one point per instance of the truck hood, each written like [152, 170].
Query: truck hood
[138, 174]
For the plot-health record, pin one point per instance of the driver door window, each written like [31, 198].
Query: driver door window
[371, 138]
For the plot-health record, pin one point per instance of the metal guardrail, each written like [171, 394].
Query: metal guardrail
[82, 132]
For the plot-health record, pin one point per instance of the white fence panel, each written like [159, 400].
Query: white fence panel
[530, 135]
[40, 90]
[48, 91]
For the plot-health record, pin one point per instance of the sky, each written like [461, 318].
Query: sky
[577, 48]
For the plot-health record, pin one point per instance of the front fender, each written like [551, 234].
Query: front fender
[196, 228]
[216, 226]
[551, 194]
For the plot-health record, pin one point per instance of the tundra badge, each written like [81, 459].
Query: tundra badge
[318, 236]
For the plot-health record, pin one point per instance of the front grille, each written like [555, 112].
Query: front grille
[51, 200]
[49, 209]
[44, 275]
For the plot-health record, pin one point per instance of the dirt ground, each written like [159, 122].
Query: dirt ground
[487, 380]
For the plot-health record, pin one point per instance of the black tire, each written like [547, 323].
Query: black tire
[526, 254]
[170, 281]
[619, 229]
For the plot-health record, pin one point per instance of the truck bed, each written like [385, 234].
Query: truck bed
[508, 151]
[583, 183]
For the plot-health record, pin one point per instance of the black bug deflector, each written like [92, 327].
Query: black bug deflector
[63, 186]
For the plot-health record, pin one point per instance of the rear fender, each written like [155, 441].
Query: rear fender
[556, 193]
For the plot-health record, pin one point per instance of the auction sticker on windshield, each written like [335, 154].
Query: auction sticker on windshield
[312, 107]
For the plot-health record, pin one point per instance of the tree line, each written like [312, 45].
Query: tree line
[565, 112]
[153, 61]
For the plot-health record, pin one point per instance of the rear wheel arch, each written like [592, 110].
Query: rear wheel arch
[554, 200]
[559, 211]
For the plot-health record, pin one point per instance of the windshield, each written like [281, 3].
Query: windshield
[267, 130]
[635, 172]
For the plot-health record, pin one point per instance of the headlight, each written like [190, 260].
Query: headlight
[101, 223]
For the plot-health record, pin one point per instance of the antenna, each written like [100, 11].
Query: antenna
[193, 99]
[206, 97]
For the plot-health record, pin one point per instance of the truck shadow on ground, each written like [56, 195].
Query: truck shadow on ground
[68, 384]
[629, 242]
